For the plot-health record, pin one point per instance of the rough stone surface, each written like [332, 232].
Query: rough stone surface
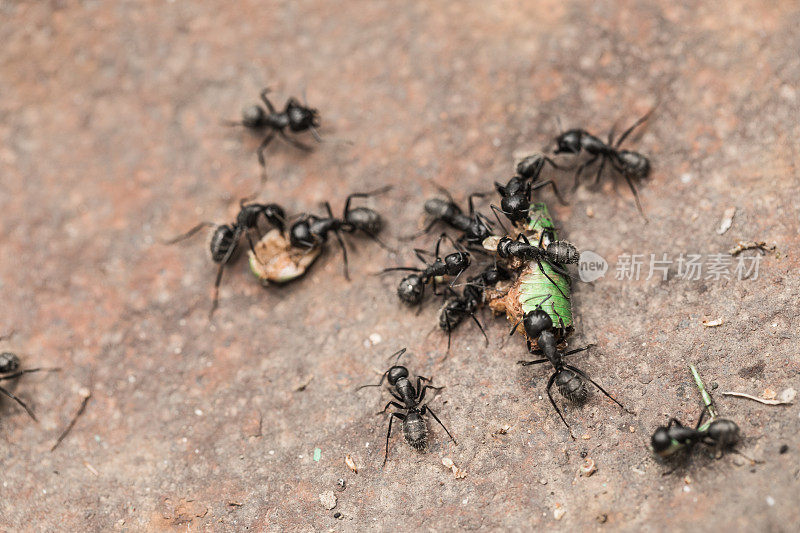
[111, 139]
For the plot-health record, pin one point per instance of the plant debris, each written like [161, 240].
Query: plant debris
[276, 261]
[588, 467]
[713, 323]
[761, 246]
[760, 400]
[457, 472]
[350, 463]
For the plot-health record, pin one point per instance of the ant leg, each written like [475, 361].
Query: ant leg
[583, 375]
[294, 142]
[474, 195]
[514, 329]
[555, 190]
[541, 268]
[445, 192]
[424, 409]
[480, 326]
[264, 93]
[578, 350]
[635, 196]
[423, 389]
[389, 434]
[421, 233]
[363, 195]
[380, 242]
[27, 371]
[634, 126]
[675, 422]
[496, 210]
[580, 171]
[549, 386]
[344, 253]
[262, 148]
[438, 243]
[529, 363]
[215, 301]
[20, 402]
[187, 234]
[392, 404]
[600, 171]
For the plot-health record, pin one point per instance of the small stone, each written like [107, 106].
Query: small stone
[770, 501]
[337, 515]
[350, 463]
[784, 449]
[769, 394]
[328, 499]
[341, 484]
[588, 467]
[602, 518]
[558, 512]
[788, 395]
[375, 338]
[447, 462]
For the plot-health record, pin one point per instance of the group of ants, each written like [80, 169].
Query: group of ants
[309, 231]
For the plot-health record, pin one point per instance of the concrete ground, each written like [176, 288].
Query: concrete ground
[111, 139]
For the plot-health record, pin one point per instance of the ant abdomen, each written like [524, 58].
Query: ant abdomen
[254, 116]
[415, 430]
[634, 164]
[724, 432]
[563, 252]
[410, 289]
[571, 386]
[221, 242]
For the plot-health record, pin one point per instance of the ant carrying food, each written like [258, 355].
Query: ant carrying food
[226, 237]
[411, 411]
[311, 231]
[570, 381]
[719, 433]
[412, 287]
[633, 166]
[516, 194]
[295, 117]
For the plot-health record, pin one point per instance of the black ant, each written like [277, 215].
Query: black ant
[516, 194]
[555, 254]
[719, 433]
[633, 166]
[295, 116]
[570, 381]
[311, 231]
[415, 429]
[9, 369]
[225, 240]
[459, 306]
[474, 227]
[412, 287]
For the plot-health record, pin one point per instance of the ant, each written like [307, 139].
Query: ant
[458, 307]
[311, 231]
[9, 369]
[720, 433]
[225, 240]
[556, 254]
[295, 116]
[570, 381]
[517, 192]
[474, 227]
[412, 287]
[415, 429]
[633, 166]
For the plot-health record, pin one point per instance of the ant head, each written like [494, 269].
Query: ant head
[633, 164]
[301, 117]
[253, 116]
[571, 385]
[569, 142]
[495, 274]
[411, 289]
[9, 362]
[478, 231]
[396, 373]
[661, 442]
[275, 215]
[502, 246]
[300, 234]
[535, 322]
[531, 166]
[515, 207]
[365, 219]
[724, 432]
